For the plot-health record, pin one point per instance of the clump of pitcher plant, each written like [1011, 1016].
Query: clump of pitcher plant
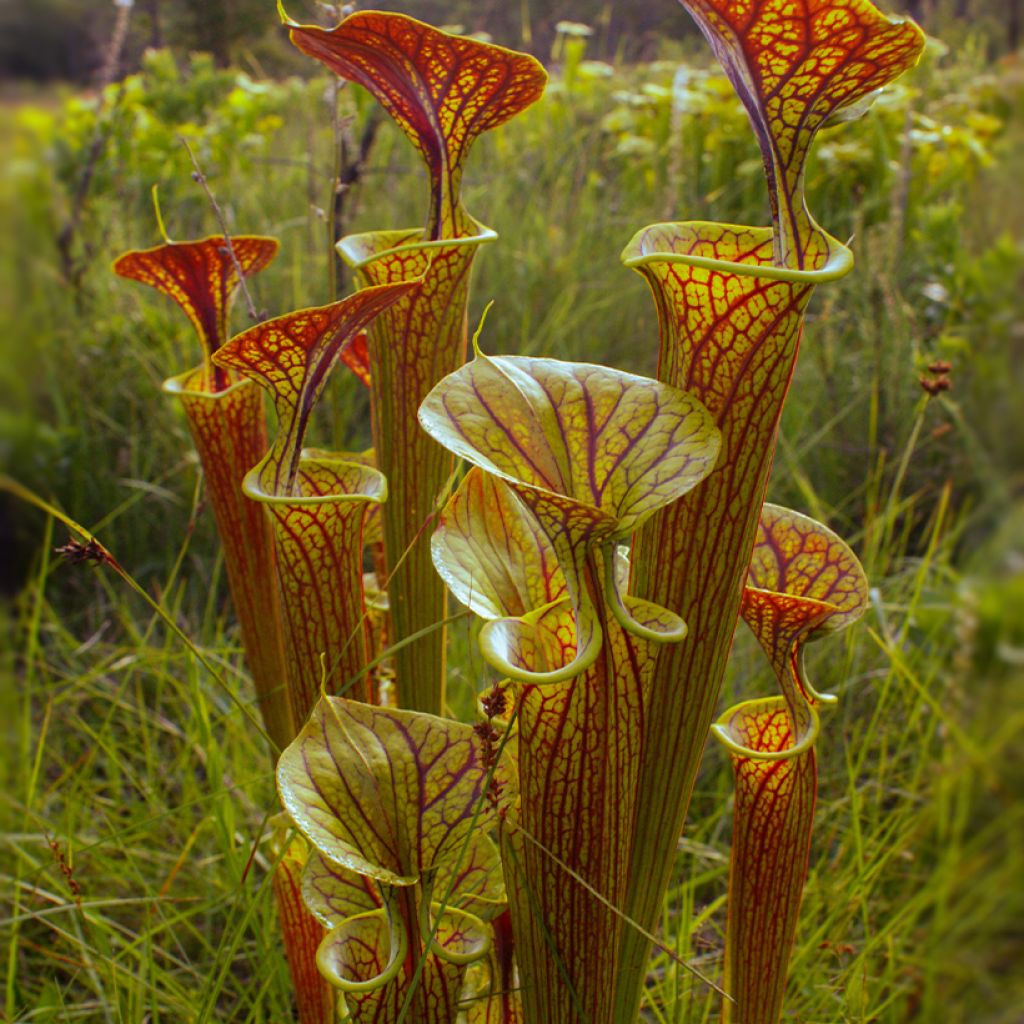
[610, 533]
[803, 583]
[570, 459]
[442, 91]
[225, 416]
[731, 303]
[401, 871]
[317, 501]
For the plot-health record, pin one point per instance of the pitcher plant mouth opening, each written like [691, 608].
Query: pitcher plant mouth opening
[191, 385]
[364, 248]
[749, 251]
[726, 730]
[371, 486]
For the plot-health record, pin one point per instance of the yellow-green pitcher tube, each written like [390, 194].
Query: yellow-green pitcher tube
[568, 459]
[318, 534]
[576, 812]
[730, 325]
[412, 345]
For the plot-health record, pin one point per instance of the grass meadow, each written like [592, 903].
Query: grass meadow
[134, 801]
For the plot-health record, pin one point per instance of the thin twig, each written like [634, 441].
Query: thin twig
[101, 133]
[350, 172]
[200, 179]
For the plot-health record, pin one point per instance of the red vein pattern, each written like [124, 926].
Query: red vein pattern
[302, 935]
[804, 582]
[492, 552]
[772, 819]
[317, 505]
[292, 357]
[385, 792]
[333, 892]
[589, 452]
[579, 748]
[796, 64]
[442, 91]
[798, 558]
[319, 537]
[579, 753]
[780, 622]
[336, 894]
[394, 796]
[356, 953]
[730, 330]
[230, 435]
[201, 277]
[226, 419]
[472, 882]
[375, 604]
[411, 346]
[730, 305]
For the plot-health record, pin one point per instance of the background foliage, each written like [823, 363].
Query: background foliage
[64, 39]
[134, 800]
